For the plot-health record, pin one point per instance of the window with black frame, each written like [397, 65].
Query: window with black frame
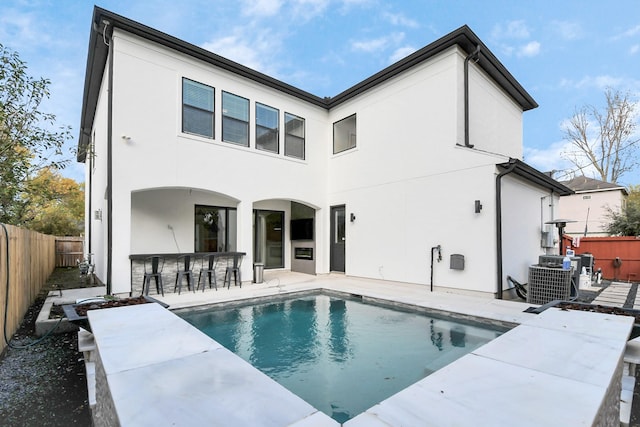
[197, 108]
[235, 119]
[344, 134]
[294, 136]
[267, 128]
[215, 229]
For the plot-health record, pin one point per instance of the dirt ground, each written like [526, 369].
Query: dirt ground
[45, 384]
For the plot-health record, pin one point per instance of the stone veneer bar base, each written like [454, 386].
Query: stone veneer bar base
[558, 368]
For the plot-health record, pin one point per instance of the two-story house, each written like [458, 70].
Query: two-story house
[187, 151]
[590, 206]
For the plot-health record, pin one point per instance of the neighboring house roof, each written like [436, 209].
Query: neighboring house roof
[582, 184]
[98, 53]
[532, 175]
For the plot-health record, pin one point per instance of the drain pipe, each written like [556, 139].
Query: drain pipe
[512, 166]
[439, 249]
[474, 54]
[109, 43]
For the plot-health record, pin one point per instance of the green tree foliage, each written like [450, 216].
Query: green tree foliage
[627, 221]
[56, 205]
[28, 141]
[605, 139]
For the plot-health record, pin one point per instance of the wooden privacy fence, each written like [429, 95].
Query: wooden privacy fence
[31, 257]
[618, 257]
[69, 251]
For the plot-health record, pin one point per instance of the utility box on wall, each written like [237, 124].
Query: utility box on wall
[456, 262]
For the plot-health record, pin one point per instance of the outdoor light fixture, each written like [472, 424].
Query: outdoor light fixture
[352, 217]
[478, 206]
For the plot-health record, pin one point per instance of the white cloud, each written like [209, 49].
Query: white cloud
[634, 49]
[400, 20]
[401, 53]
[554, 159]
[598, 82]
[567, 30]
[511, 30]
[261, 8]
[547, 159]
[530, 49]
[305, 10]
[256, 49]
[379, 44]
[628, 33]
[21, 31]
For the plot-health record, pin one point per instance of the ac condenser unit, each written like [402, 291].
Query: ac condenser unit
[548, 284]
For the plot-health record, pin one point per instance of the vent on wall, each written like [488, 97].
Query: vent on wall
[456, 262]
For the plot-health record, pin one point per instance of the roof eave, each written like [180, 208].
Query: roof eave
[468, 41]
[533, 175]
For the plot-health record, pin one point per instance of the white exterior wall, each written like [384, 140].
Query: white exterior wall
[495, 120]
[97, 192]
[412, 187]
[525, 209]
[409, 181]
[147, 109]
[591, 209]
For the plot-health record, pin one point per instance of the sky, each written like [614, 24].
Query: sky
[565, 53]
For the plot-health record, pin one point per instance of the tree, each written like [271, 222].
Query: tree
[56, 205]
[605, 140]
[627, 221]
[27, 143]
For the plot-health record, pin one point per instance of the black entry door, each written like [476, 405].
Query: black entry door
[337, 238]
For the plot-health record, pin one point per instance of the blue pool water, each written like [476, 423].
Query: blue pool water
[340, 355]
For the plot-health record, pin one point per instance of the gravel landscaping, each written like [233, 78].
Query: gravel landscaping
[44, 384]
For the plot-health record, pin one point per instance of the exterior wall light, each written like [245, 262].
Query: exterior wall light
[478, 206]
[352, 217]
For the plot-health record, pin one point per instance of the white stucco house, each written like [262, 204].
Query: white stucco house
[186, 151]
[590, 204]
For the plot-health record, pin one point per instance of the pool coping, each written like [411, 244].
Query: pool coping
[590, 397]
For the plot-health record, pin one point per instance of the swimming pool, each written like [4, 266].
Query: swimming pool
[340, 355]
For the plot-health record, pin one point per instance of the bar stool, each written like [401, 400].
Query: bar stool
[184, 269]
[234, 269]
[153, 266]
[209, 264]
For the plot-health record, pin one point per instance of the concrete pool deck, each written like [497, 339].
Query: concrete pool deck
[556, 368]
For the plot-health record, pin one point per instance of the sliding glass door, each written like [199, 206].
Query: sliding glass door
[269, 238]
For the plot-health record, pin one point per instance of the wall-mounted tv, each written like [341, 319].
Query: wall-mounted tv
[302, 229]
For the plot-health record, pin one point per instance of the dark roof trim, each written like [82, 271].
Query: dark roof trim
[97, 57]
[583, 184]
[468, 42]
[534, 176]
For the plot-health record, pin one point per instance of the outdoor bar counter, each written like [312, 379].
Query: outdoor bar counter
[169, 269]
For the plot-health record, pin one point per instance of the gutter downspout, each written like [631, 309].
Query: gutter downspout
[109, 158]
[90, 197]
[474, 54]
[512, 166]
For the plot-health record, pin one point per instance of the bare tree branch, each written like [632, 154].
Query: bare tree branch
[605, 140]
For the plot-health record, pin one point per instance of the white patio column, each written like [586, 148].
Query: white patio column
[245, 237]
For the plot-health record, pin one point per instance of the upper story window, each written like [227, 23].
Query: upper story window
[267, 128]
[235, 119]
[344, 134]
[197, 108]
[293, 136]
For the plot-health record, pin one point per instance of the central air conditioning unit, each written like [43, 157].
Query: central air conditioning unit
[547, 284]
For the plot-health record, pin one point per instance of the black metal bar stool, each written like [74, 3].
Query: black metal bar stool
[184, 269]
[209, 264]
[153, 266]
